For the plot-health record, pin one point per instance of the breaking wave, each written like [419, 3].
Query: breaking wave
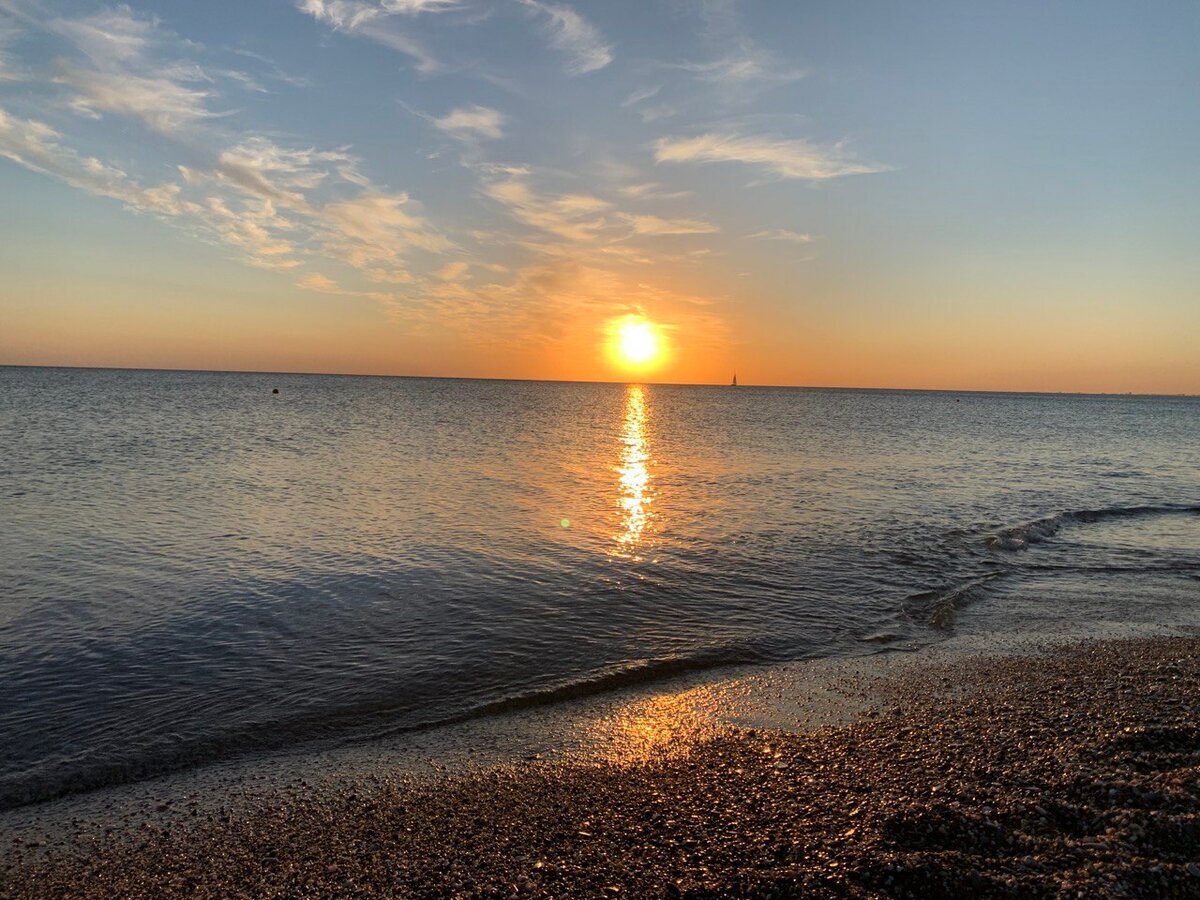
[1021, 536]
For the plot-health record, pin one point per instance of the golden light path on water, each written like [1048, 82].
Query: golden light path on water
[634, 473]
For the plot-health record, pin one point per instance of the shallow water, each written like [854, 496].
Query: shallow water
[192, 566]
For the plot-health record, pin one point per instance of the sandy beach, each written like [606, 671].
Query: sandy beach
[1052, 769]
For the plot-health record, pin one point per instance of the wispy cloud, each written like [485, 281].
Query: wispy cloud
[470, 122]
[574, 36]
[637, 96]
[654, 113]
[656, 225]
[254, 228]
[273, 70]
[453, 271]
[782, 234]
[37, 146]
[574, 217]
[258, 166]
[128, 67]
[782, 157]
[8, 35]
[377, 228]
[164, 102]
[738, 63]
[561, 300]
[746, 65]
[376, 21]
[315, 281]
[259, 197]
[652, 190]
[323, 284]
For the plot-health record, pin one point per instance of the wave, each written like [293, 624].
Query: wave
[1021, 536]
[937, 608]
[346, 725]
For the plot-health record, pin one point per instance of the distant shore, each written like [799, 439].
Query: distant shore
[1074, 771]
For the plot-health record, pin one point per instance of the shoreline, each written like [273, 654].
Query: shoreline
[699, 735]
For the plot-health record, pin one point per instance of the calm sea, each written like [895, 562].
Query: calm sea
[193, 566]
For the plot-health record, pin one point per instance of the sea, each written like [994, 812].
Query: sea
[199, 565]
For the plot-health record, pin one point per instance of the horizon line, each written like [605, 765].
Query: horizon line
[798, 387]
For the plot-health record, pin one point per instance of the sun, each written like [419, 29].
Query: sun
[639, 343]
[635, 342]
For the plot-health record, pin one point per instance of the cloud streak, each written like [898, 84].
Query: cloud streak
[124, 75]
[467, 123]
[781, 157]
[574, 217]
[656, 225]
[782, 234]
[38, 147]
[573, 36]
[375, 21]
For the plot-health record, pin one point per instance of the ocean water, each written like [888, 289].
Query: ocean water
[192, 566]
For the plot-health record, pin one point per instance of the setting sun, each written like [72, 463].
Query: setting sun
[635, 342]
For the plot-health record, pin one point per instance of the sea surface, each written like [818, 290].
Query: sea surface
[193, 566]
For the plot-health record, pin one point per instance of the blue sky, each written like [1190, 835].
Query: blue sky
[928, 195]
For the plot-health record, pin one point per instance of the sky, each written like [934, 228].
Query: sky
[997, 196]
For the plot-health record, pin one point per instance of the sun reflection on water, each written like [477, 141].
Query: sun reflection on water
[634, 473]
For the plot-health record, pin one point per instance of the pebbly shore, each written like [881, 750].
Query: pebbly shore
[1070, 773]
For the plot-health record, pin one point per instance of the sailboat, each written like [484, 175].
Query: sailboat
[734, 382]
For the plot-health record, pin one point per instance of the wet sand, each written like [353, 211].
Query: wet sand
[1071, 770]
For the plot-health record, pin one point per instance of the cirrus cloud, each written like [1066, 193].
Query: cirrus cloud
[574, 36]
[782, 157]
[469, 122]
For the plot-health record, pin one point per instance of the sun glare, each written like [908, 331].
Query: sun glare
[636, 342]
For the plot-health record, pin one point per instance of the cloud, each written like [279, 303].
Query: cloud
[350, 14]
[653, 113]
[560, 302]
[652, 190]
[261, 167]
[122, 75]
[8, 34]
[274, 72]
[783, 157]
[468, 122]
[373, 231]
[257, 196]
[654, 225]
[453, 271]
[322, 284]
[739, 63]
[575, 217]
[573, 36]
[375, 22]
[163, 102]
[744, 66]
[254, 228]
[37, 146]
[315, 281]
[110, 36]
[637, 96]
[782, 234]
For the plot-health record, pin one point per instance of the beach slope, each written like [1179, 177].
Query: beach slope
[1074, 772]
